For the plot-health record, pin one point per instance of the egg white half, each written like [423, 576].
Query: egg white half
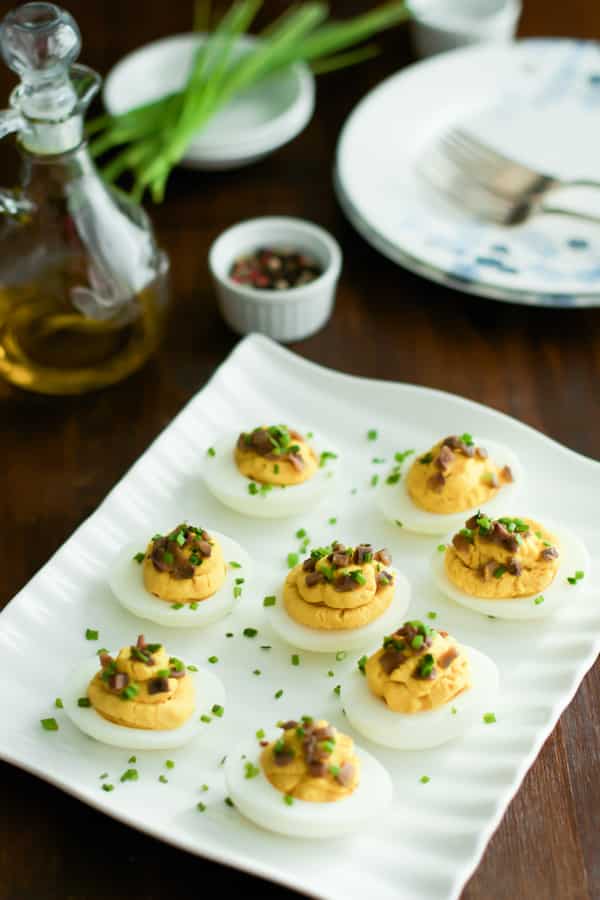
[573, 557]
[259, 801]
[127, 584]
[396, 504]
[420, 731]
[209, 691]
[224, 480]
[328, 641]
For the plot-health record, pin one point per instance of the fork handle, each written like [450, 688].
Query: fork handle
[580, 182]
[571, 213]
[570, 199]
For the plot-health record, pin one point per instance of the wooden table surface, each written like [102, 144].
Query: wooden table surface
[61, 456]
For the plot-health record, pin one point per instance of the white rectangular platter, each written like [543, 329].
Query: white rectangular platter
[42, 634]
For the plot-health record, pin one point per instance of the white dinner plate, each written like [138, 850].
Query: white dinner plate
[42, 636]
[534, 100]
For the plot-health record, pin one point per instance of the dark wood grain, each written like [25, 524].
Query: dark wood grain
[61, 456]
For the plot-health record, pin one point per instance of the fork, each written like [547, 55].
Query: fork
[490, 185]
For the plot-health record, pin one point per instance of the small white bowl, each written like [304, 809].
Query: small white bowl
[286, 315]
[252, 125]
[439, 25]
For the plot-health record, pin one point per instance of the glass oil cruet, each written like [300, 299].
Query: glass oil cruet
[83, 286]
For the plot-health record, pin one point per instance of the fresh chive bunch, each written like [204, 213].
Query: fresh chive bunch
[154, 137]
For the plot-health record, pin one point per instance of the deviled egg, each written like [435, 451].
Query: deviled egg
[511, 568]
[419, 689]
[270, 471]
[430, 491]
[186, 578]
[339, 598]
[142, 698]
[310, 781]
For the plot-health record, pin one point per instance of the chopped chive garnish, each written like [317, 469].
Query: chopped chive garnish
[325, 456]
[377, 461]
[499, 572]
[334, 770]
[399, 523]
[218, 711]
[250, 632]
[129, 775]
[295, 659]
[101, 651]
[192, 668]
[49, 724]
[253, 488]
[139, 557]
[292, 560]
[58, 703]
[237, 591]
[424, 779]
[211, 451]
[204, 787]
[213, 659]
[84, 702]
[91, 634]
[240, 580]
[194, 604]
[454, 710]
[234, 564]
[441, 548]
[229, 802]
[205, 718]
[340, 655]
[104, 775]
[250, 770]
[176, 605]
[256, 672]
[432, 615]
[229, 634]
[168, 557]
[265, 646]
[489, 718]
[337, 690]
[332, 520]
[374, 480]
[372, 434]
[358, 577]
[362, 662]
[288, 800]
[402, 455]
[301, 533]
[538, 600]
[129, 692]
[271, 600]
[132, 759]
[108, 787]
[169, 764]
[278, 694]
[260, 734]
[426, 459]
[200, 806]
[331, 673]
[163, 779]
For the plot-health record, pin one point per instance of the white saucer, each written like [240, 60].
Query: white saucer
[251, 126]
[534, 100]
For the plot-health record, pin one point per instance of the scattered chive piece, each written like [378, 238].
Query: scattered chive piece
[218, 711]
[331, 673]
[250, 770]
[84, 702]
[132, 759]
[256, 672]
[278, 694]
[58, 703]
[538, 600]
[235, 565]
[229, 801]
[169, 764]
[163, 779]
[399, 523]
[292, 560]
[101, 651]
[337, 690]
[270, 600]
[374, 480]
[176, 605]
[129, 692]
[276, 469]
[213, 659]
[194, 604]
[372, 434]
[377, 461]
[200, 806]
[325, 455]
[250, 632]
[204, 787]
[239, 580]
[424, 779]
[211, 451]
[573, 579]
[260, 734]
[332, 520]
[91, 634]
[139, 557]
[168, 557]
[432, 615]
[104, 775]
[454, 710]
[441, 548]
[193, 668]
[301, 533]
[288, 800]
[108, 787]
[295, 659]
[237, 591]
[130, 775]
[49, 724]
[253, 488]
[205, 718]
[489, 718]
[229, 634]
[361, 664]
[340, 655]
[499, 572]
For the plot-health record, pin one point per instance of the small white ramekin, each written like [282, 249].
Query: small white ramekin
[288, 315]
[439, 25]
